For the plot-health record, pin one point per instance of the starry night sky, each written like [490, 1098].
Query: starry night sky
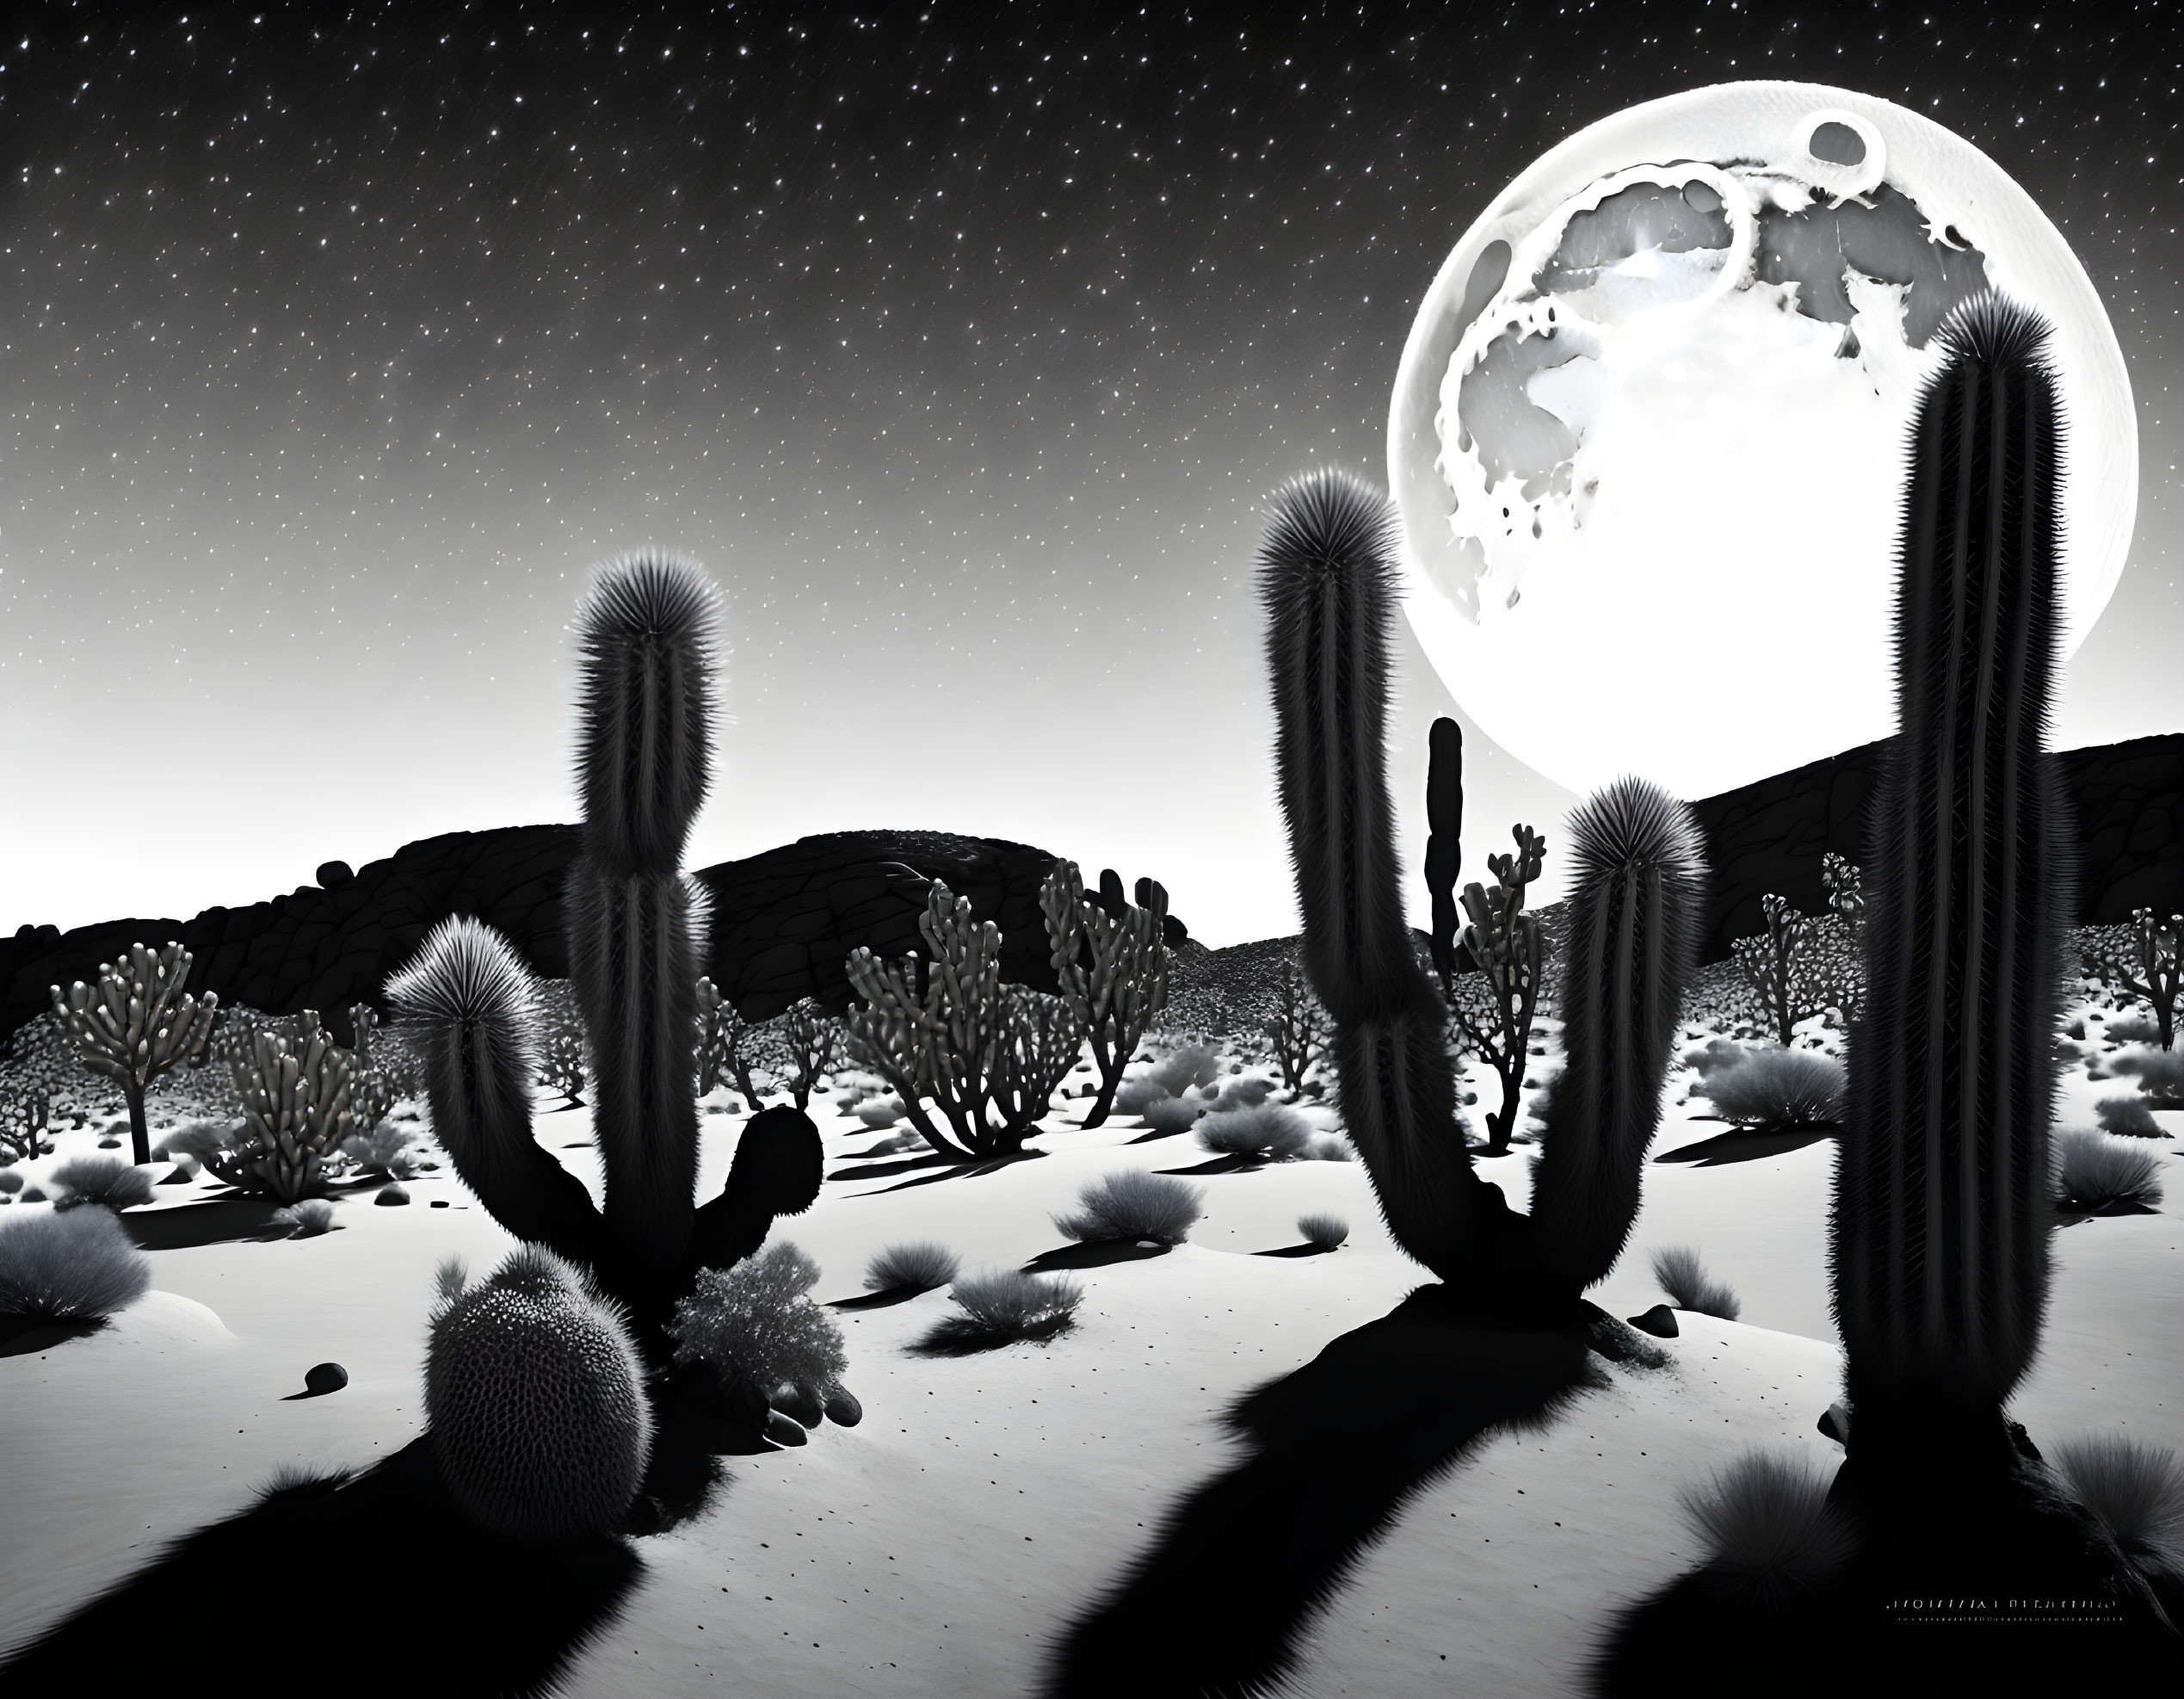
[962, 344]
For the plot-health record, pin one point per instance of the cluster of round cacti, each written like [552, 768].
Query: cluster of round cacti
[536, 1396]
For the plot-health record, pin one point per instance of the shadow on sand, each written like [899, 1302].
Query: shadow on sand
[26, 1336]
[945, 1168]
[511, 1615]
[1745, 1144]
[1334, 1450]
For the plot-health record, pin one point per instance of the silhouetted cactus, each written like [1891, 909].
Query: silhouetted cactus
[1328, 585]
[535, 1394]
[2151, 971]
[138, 1025]
[1505, 942]
[1943, 1203]
[1111, 964]
[1444, 850]
[1637, 907]
[644, 635]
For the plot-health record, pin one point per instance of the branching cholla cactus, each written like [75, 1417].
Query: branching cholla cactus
[815, 1040]
[932, 1028]
[1776, 967]
[1040, 1043]
[645, 635]
[1327, 584]
[1505, 943]
[2151, 971]
[1111, 962]
[1942, 1204]
[721, 1056]
[1297, 1029]
[138, 1025]
[296, 1114]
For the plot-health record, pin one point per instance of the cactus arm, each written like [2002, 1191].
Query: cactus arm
[1328, 585]
[776, 1171]
[1445, 824]
[1636, 906]
[468, 998]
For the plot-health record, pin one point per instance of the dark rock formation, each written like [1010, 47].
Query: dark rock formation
[1770, 836]
[782, 920]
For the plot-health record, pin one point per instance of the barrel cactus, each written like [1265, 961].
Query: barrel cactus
[536, 1396]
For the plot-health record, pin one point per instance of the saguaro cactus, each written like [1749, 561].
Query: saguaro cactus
[1111, 960]
[1942, 1207]
[1327, 584]
[644, 635]
[138, 1025]
[1444, 850]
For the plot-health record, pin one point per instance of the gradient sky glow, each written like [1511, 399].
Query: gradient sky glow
[962, 344]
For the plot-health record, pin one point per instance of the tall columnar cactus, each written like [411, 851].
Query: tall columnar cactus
[1942, 1208]
[139, 1024]
[1444, 833]
[1635, 907]
[645, 635]
[1328, 583]
[1111, 962]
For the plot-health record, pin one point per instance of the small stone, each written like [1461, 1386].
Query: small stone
[109, 1144]
[180, 1177]
[783, 1431]
[1834, 1421]
[325, 1377]
[439, 1203]
[842, 1408]
[1660, 1321]
[800, 1405]
[392, 1194]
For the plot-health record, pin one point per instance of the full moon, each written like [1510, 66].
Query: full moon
[1647, 440]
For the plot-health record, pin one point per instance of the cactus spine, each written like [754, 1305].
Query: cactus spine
[1636, 908]
[1942, 1212]
[1444, 850]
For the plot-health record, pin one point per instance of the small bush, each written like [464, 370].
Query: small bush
[1777, 1089]
[755, 1318]
[384, 1150]
[198, 1139]
[1134, 1204]
[1768, 1524]
[1243, 1091]
[2127, 1118]
[306, 1220]
[99, 1179]
[1272, 1131]
[1718, 1053]
[1173, 1114]
[2135, 1491]
[77, 1265]
[1323, 1230]
[1171, 1075]
[1676, 1267]
[2160, 1074]
[880, 1112]
[2132, 1030]
[917, 1267]
[10, 1181]
[1007, 1306]
[2096, 1172]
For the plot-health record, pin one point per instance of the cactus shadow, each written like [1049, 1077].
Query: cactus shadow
[526, 1607]
[1100, 1253]
[1745, 1144]
[1334, 1450]
[947, 1169]
[217, 1221]
[26, 1336]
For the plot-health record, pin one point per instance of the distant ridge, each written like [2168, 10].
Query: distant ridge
[783, 920]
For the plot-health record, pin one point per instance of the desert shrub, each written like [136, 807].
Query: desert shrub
[1171, 1075]
[2127, 1118]
[1768, 1524]
[1329, 1147]
[1777, 1088]
[1134, 1204]
[880, 1112]
[1676, 1267]
[1717, 1053]
[919, 1266]
[384, 1150]
[2131, 1030]
[2134, 1489]
[1006, 1306]
[198, 1138]
[99, 1179]
[2096, 1172]
[1242, 1092]
[1274, 1131]
[1323, 1230]
[306, 1220]
[757, 1319]
[1174, 1114]
[74, 1265]
[2160, 1074]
